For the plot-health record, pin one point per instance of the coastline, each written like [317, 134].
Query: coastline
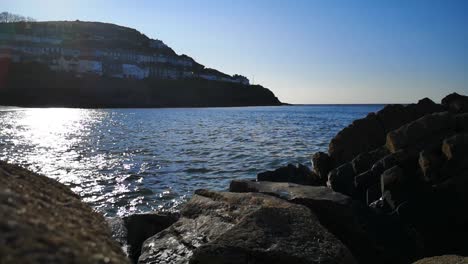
[387, 191]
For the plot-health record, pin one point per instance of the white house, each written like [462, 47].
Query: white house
[89, 66]
[134, 72]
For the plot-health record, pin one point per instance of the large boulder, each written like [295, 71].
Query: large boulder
[300, 174]
[369, 236]
[42, 221]
[456, 103]
[223, 227]
[341, 179]
[421, 131]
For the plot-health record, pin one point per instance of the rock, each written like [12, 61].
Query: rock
[456, 103]
[42, 221]
[426, 129]
[461, 122]
[394, 187]
[445, 259]
[361, 136]
[300, 174]
[223, 227]
[430, 162]
[455, 147]
[142, 226]
[369, 133]
[363, 232]
[322, 165]
[365, 160]
[119, 232]
[341, 179]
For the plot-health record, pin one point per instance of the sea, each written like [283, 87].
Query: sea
[127, 161]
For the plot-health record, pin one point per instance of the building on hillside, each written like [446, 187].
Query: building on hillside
[134, 72]
[65, 64]
[89, 65]
[111, 68]
[241, 79]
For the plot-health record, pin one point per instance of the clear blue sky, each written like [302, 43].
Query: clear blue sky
[305, 51]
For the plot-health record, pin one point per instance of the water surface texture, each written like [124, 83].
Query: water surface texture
[124, 161]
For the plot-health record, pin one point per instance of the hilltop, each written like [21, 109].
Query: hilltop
[94, 64]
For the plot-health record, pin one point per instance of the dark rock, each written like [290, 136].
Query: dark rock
[222, 227]
[456, 103]
[426, 129]
[364, 181]
[461, 121]
[142, 226]
[394, 186]
[373, 193]
[455, 147]
[430, 162]
[369, 133]
[322, 165]
[365, 160]
[445, 259]
[300, 174]
[42, 221]
[364, 233]
[361, 136]
[341, 179]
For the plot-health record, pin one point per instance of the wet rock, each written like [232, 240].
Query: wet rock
[456, 103]
[361, 136]
[445, 259]
[322, 165]
[363, 232]
[426, 129]
[394, 186]
[42, 221]
[222, 227]
[341, 179]
[297, 174]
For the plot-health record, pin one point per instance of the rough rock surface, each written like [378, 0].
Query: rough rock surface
[42, 221]
[369, 133]
[456, 103]
[445, 259]
[322, 165]
[369, 237]
[223, 227]
[297, 174]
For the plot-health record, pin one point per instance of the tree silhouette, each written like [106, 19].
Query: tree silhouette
[6, 17]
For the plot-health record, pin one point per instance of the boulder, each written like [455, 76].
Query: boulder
[297, 174]
[394, 186]
[131, 231]
[455, 147]
[365, 160]
[322, 165]
[430, 163]
[224, 227]
[362, 231]
[426, 129]
[42, 221]
[456, 103]
[444, 259]
[361, 136]
[461, 122]
[341, 179]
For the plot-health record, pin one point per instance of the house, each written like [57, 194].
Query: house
[241, 79]
[89, 65]
[65, 64]
[134, 72]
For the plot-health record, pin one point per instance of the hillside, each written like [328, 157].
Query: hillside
[93, 64]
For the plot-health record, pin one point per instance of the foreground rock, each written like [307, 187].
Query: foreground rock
[299, 174]
[221, 227]
[42, 221]
[370, 237]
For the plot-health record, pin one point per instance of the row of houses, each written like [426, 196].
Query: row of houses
[115, 63]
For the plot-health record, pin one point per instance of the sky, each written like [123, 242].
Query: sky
[305, 51]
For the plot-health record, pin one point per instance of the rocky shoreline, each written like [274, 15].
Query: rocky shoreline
[391, 189]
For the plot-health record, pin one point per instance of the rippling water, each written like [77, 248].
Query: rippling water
[123, 161]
